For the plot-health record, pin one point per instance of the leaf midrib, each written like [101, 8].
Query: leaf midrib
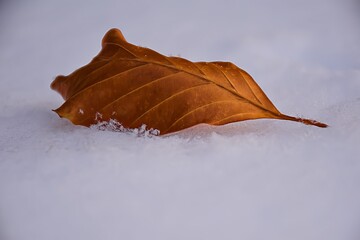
[207, 80]
[203, 77]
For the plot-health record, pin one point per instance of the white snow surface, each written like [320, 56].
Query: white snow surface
[260, 179]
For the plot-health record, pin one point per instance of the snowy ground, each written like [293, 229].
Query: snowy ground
[253, 180]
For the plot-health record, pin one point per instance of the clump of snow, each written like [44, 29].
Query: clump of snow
[115, 126]
[261, 179]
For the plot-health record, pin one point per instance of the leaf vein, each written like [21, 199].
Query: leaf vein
[197, 109]
[167, 99]
[113, 76]
[136, 89]
[217, 67]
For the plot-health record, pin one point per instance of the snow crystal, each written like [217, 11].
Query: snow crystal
[98, 117]
[114, 126]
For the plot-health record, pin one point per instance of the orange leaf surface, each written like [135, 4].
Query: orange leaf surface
[135, 86]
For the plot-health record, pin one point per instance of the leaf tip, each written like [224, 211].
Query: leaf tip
[114, 35]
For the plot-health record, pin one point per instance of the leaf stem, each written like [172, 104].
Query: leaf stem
[304, 121]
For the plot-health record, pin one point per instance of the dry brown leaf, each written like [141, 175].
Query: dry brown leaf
[136, 86]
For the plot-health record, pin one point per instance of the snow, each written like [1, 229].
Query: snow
[261, 179]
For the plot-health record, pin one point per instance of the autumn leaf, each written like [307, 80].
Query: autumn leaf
[135, 86]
